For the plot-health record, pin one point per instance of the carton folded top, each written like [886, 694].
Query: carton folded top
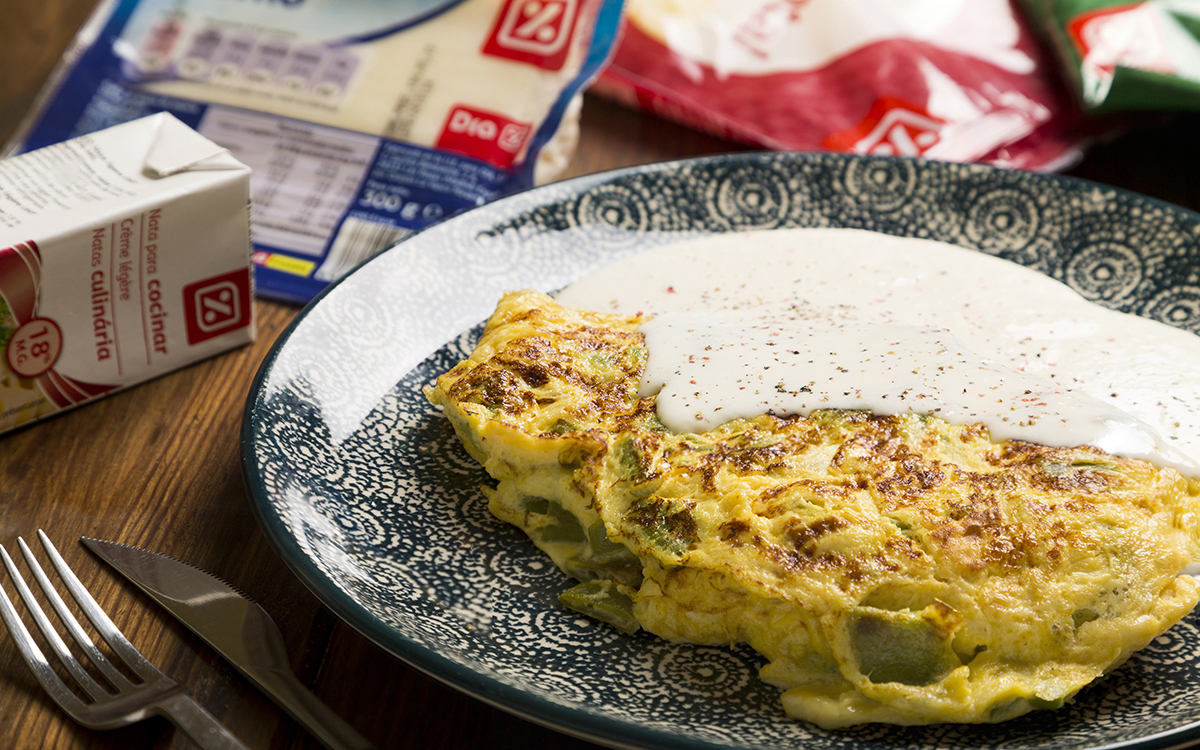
[177, 148]
[69, 186]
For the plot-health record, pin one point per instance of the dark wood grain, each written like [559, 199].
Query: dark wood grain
[159, 466]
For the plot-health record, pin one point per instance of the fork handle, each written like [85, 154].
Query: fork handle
[198, 724]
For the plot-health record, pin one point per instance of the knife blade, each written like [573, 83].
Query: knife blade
[236, 627]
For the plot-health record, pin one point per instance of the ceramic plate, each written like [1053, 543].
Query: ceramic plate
[363, 489]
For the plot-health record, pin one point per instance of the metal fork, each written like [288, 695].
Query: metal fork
[128, 701]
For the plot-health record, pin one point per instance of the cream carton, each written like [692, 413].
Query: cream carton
[124, 254]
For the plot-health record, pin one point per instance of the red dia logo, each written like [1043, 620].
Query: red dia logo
[483, 135]
[891, 128]
[537, 32]
[217, 305]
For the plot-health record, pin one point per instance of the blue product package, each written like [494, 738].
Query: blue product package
[362, 120]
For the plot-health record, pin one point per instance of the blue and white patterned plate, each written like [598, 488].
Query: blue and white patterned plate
[363, 489]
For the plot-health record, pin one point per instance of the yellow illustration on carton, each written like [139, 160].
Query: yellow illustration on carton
[21, 401]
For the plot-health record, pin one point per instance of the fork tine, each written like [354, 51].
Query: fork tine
[57, 645]
[33, 656]
[108, 631]
[115, 678]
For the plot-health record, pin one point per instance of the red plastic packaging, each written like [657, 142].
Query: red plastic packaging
[957, 80]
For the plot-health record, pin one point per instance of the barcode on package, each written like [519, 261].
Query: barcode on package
[356, 241]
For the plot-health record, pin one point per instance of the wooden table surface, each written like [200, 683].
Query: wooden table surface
[159, 466]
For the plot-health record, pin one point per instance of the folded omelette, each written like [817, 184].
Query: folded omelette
[897, 569]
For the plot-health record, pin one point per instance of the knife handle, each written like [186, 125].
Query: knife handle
[306, 708]
[198, 724]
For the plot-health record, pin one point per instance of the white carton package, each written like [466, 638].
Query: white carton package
[124, 254]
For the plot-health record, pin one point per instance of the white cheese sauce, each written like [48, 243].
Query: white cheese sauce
[785, 322]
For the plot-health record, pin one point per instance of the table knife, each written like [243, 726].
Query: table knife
[240, 630]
